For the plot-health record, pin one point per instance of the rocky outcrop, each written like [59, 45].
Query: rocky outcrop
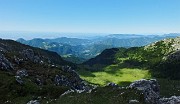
[133, 102]
[112, 84]
[5, 64]
[73, 81]
[150, 89]
[33, 102]
[38, 81]
[3, 50]
[18, 60]
[19, 80]
[29, 54]
[22, 73]
[171, 100]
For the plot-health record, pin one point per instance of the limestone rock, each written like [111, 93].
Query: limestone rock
[112, 84]
[29, 54]
[5, 64]
[33, 102]
[22, 73]
[73, 81]
[171, 100]
[150, 89]
[133, 101]
[19, 80]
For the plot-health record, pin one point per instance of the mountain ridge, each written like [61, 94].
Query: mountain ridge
[84, 49]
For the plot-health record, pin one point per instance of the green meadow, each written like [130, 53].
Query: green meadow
[113, 73]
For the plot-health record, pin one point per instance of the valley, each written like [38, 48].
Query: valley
[31, 74]
[89, 51]
[79, 50]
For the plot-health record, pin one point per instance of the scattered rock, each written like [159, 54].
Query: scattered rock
[133, 101]
[5, 64]
[73, 81]
[38, 82]
[150, 89]
[67, 92]
[2, 50]
[19, 80]
[29, 54]
[18, 60]
[33, 102]
[112, 84]
[171, 100]
[22, 73]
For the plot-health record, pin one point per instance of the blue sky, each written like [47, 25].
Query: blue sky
[91, 16]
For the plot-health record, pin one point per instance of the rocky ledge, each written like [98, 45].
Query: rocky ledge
[5, 63]
[151, 92]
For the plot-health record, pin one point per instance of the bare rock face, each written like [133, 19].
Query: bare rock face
[29, 54]
[171, 100]
[112, 84]
[73, 81]
[18, 60]
[2, 49]
[5, 64]
[175, 56]
[22, 73]
[33, 102]
[150, 89]
[19, 80]
[133, 102]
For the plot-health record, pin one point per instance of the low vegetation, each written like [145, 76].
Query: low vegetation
[103, 95]
[114, 74]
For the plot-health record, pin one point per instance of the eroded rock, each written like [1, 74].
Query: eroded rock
[22, 73]
[112, 84]
[29, 54]
[19, 80]
[150, 89]
[171, 100]
[5, 64]
[133, 101]
[73, 81]
[33, 102]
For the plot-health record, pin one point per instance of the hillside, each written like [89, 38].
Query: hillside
[161, 58]
[27, 73]
[32, 75]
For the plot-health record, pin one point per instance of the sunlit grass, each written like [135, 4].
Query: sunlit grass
[114, 74]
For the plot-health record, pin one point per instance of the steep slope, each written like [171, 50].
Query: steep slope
[27, 72]
[17, 48]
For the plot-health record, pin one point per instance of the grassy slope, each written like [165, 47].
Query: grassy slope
[102, 95]
[11, 91]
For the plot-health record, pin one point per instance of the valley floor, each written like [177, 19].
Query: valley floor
[115, 74]
[125, 76]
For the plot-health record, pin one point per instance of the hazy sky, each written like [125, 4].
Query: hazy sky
[91, 16]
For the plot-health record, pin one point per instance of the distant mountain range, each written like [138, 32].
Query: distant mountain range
[79, 50]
